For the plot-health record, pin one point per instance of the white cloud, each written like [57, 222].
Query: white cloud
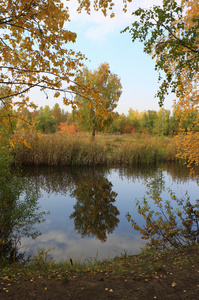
[97, 27]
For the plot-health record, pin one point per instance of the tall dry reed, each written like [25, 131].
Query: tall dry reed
[61, 149]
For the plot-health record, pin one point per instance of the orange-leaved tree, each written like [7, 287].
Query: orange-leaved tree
[97, 94]
[34, 46]
[35, 49]
[69, 129]
[188, 102]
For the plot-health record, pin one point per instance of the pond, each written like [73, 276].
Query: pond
[88, 208]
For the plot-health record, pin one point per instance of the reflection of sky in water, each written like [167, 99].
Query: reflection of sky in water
[58, 230]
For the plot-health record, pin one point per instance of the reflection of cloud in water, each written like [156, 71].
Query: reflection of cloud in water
[59, 230]
[66, 246]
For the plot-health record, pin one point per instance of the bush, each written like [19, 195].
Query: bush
[175, 222]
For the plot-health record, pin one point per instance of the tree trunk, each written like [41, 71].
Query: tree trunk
[94, 125]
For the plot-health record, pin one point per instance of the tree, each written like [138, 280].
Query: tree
[134, 118]
[162, 124]
[33, 52]
[56, 114]
[45, 121]
[148, 120]
[33, 46]
[97, 94]
[170, 34]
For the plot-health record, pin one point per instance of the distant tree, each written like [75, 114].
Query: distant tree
[162, 124]
[64, 115]
[134, 118]
[56, 114]
[45, 121]
[148, 121]
[118, 124]
[97, 94]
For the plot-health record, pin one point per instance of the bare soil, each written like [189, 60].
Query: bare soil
[174, 275]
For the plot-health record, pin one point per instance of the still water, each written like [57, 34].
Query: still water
[88, 208]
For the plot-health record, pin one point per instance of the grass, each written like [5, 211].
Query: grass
[143, 265]
[80, 149]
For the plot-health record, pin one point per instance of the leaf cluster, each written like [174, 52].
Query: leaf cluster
[168, 39]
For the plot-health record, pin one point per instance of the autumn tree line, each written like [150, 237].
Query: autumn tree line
[162, 122]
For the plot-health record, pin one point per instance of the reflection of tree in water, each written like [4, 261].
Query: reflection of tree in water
[94, 212]
[19, 213]
[62, 180]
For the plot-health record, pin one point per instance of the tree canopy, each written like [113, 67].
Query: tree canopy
[169, 34]
[97, 94]
[33, 48]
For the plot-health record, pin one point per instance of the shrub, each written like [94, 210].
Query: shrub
[174, 223]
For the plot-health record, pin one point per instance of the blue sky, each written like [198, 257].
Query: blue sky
[99, 38]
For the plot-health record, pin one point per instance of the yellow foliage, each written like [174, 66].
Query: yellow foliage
[188, 142]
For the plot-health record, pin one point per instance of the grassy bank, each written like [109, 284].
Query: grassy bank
[60, 150]
[169, 275]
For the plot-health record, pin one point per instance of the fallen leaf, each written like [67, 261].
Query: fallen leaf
[173, 284]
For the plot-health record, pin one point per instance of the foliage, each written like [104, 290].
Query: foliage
[175, 222]
[43, 259]
[106, 6]
[118, 124]
[69, 129]
[97, 94]
[57, 114]
[19, 210]
[33, 52]
[170, 34]
[46, 123]
[188, 145]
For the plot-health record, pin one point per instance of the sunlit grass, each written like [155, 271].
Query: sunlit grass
[81, 149]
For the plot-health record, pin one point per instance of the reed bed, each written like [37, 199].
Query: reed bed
[60, 149]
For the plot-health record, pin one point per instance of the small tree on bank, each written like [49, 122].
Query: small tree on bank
[97, 94]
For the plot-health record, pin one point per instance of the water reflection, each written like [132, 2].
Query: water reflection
[94, 213]
[88, 206]
[19, 216]
[62, 180]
